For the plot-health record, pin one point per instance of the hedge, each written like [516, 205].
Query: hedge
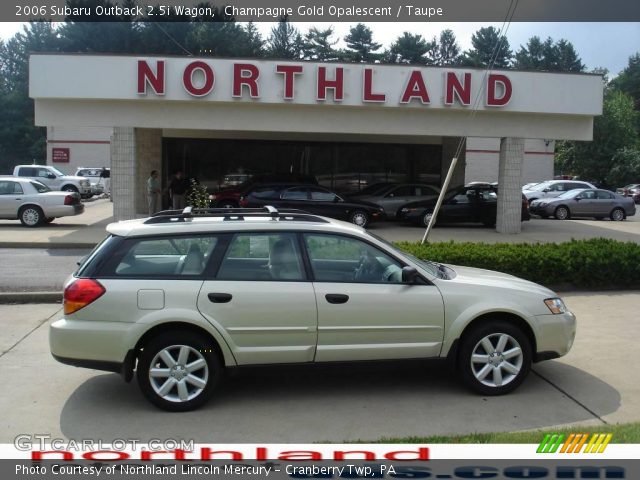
[594, 263]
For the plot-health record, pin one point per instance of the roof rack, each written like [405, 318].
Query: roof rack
[232, 214]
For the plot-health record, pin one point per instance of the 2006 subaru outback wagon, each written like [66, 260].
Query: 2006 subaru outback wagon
[180, 296]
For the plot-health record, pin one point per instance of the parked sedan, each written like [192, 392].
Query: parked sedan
[585, 203]
[313, 199]
[33, 203]
[472, 203]
[632, 190]
[553, 188]
[393, 197]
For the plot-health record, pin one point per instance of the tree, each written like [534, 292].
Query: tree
[629, 80]
[318, 45]
[254, 41]
[489, 49]
[549, 56]
[360, 44]
[408, 48]
[285, 41]
[445, 51]
[615, 138]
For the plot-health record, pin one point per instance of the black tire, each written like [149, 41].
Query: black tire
[425, 218]
[31, 216]
[471, 342]
[49, 219]
[359, 218]
[562, 213]
[69, 188]
[200, 348]
[226, 204]
[617, 215]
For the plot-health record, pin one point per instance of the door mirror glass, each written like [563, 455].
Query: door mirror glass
[51, 176]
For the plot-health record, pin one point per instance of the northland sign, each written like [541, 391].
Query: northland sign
[199, 80]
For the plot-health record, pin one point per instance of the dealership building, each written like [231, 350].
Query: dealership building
[349, 125]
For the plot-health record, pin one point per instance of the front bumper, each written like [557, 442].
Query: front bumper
[556, 335]
[544, 210]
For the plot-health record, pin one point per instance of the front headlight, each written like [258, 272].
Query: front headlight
[556, 305]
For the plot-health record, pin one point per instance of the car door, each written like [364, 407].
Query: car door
[583, 204]
[44, 175]
[261, 300]
[396, 198]
[460, 207]
[604, 203]
[365, 312]
[11, 195]
[295, 197]
[326, 203]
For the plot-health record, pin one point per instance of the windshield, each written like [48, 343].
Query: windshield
[56, 171]
[539, 187]
[570, 193]
[430, 267]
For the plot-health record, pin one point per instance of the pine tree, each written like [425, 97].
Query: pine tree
[360, 44]
[489, 49]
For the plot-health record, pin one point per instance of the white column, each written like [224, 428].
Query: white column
[123, 173]
[510, 185]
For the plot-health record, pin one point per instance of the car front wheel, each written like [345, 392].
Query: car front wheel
[562, 213]
[69, 188]
[31, 216]
[494, 358]
[426, 218]
[359, 218]
[178, 371]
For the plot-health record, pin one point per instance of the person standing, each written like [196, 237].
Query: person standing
[153, 192]
[177, 188]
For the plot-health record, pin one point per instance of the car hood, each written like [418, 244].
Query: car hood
[75, 178]
[489, 278]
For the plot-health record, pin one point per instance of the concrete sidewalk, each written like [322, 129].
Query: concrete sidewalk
[595, 384]
[88, 229]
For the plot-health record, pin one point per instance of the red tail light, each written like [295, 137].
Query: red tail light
[70, 200]
[243, 202]
[81, 293]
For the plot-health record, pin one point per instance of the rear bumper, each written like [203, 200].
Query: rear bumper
[65, 210]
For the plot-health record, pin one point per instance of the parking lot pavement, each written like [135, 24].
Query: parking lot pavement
[595, 383]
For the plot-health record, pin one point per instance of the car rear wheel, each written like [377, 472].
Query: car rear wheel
[495, 358]
[69, 188]
[359, 218]
[31, 216]
[178, 371]
[617, 215]
[562, 213]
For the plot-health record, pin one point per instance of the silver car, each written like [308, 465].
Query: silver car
[585, 203]
[180, 297]
[553, 188]
[393, 197]
[33, 203]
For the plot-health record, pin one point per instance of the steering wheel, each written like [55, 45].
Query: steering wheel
[367, 267]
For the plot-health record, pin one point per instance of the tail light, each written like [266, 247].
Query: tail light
[243, 202]
[70, 200]
[81, 293]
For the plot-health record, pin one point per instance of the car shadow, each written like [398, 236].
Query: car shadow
[334, 403]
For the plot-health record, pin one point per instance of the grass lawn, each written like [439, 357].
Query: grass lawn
[622, 433]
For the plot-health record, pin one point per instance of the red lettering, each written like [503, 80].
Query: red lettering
[422, 454]
[415, 88]
[336, 85]
[93, 455]
[240, 79]
[492, 87]
[340, 455]
[206, 454]
[187, 79]
[147, 76]
[38, 455]
[178, 454]
[289, 72]
[367, 94]
[300, 455]
[460, 90]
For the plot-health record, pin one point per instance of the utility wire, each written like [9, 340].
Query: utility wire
[157, 24]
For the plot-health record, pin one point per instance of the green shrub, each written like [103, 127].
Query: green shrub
[595, 263]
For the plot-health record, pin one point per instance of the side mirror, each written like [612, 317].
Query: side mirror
[337, 199]
[50, 176]
[578, 199]
[409, 275]
[546, 190]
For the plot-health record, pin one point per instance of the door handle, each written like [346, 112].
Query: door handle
[220, 297]
[336, 298]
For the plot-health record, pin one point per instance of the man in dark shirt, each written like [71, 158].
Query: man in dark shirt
[177, 189]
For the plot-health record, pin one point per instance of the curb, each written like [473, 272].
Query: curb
[30, 297]
[85, 245]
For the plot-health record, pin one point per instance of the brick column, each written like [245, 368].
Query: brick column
[148, 157]
[123, 173]
[510, 185]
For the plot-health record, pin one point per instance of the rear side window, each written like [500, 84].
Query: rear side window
[27, 172]
[265, 192]
[10, 188]
[162, 257]
[602, 195]
[262, 257]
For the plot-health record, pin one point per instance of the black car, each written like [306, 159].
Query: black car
[475, 203]
[312, 199]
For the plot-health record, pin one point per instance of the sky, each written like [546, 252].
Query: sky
[606, 45]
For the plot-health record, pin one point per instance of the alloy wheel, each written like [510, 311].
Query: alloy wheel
[178, 373]
[496, 360]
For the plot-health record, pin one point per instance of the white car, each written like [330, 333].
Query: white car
[179, 297]
[552, 188]
[54, 179]
[99, 178]
[33, 203]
